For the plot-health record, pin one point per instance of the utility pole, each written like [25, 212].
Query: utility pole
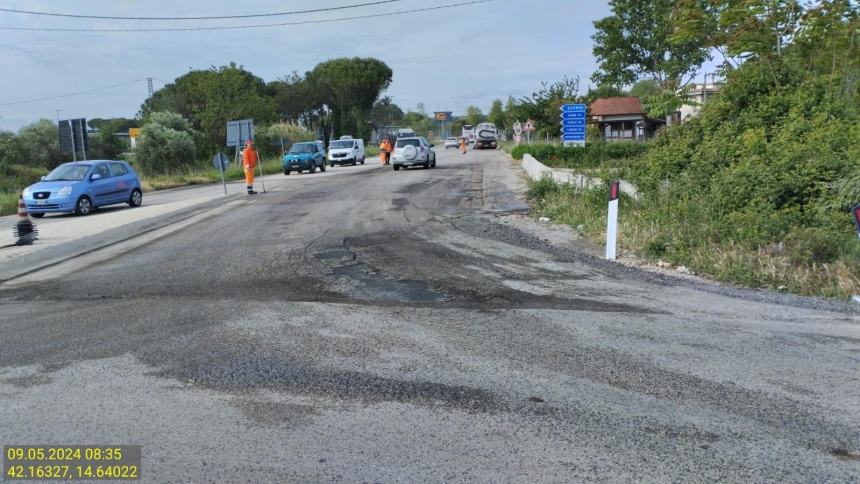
[58, 116]
[149, 86]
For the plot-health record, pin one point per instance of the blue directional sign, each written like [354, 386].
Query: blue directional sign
[573, 115]
[570, 128]
[568, 137]
[573, 108]
[573, 124]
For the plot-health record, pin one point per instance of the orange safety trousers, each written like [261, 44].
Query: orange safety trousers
[249, 175]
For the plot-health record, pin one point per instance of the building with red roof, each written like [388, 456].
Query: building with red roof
[622, 119]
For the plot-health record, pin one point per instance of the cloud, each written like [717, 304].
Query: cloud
[446, 59]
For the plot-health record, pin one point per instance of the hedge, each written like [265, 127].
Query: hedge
[590, 156]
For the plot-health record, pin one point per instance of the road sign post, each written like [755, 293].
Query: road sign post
[612, 221]
[238, 132]
[221, 162]
[518, 131]
[529, 128]
[573, 124]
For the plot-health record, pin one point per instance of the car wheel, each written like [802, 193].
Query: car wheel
[286, 172]
[322, 168]
[396, 167]
[136, 198]
[313, 168]
[362, 161]
[84, 206]
[37, 215]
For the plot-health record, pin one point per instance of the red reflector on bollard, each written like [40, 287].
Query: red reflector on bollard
[613, 191]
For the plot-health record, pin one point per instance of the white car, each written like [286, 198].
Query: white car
[415, 151]
[346, 152]
[451, 143]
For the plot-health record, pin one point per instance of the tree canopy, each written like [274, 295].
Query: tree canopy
[350, 87]
[637, 42]
[210, 98]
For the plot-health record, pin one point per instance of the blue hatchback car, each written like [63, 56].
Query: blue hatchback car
[83, 186]
[304, 156]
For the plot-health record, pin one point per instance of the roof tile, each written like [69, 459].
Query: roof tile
[612, 106]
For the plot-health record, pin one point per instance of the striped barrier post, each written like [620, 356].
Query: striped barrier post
[25, 231]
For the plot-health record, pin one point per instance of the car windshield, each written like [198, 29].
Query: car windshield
[451, 139]
[407, 142]
[341, 144]
[68, 173]
[302, 148]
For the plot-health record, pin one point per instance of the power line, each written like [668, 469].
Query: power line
[256, 26]
[73, 93]
[208, 17]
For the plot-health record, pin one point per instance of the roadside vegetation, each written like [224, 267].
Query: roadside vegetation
[757, 189]
[184, 123]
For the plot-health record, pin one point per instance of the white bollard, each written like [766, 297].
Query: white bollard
[612, 221]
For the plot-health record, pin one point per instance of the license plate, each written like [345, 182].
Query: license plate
[297, 166]
[41, 202]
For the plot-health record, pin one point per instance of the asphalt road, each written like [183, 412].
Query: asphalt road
[413, 326]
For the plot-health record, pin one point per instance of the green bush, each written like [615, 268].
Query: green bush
[166, 144]
[756, 190]
[590, 156]
[540, 188]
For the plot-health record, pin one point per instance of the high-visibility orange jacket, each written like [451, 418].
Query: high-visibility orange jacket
[249, 156]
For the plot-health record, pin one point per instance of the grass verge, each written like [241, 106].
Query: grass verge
[654, 233]
[201, 176]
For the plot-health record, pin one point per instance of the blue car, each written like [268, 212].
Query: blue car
[304, 156]
[83, 186]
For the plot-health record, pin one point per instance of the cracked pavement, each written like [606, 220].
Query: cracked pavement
[416, 326]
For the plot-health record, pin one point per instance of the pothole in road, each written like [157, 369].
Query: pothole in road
[370, 284]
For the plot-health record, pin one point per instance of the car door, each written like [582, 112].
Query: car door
[319, 156]
[103, 189]
[123, 180]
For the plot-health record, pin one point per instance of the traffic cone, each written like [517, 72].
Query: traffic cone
[25, 231]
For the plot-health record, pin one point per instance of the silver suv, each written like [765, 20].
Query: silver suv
[413, 151]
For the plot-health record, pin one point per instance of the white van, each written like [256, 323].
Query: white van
[346, 152]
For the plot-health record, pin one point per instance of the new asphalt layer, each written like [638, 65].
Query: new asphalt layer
[417, 326]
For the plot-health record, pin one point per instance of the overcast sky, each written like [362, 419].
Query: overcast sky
[446, 59]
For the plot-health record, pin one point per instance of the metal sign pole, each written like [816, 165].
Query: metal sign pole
[72, 137]
[221, 166]
[260, 164]
[83, 145]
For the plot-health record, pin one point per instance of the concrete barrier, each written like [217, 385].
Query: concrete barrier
[537, 170]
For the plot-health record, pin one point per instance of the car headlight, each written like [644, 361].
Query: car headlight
[27, 192]
[65, 191]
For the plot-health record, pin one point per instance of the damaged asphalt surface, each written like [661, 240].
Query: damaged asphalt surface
[416, 326]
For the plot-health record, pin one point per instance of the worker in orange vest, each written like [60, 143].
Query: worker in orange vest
[385, 150]
[249, 162]
[390, 151]
[463, 144]
[382, 150]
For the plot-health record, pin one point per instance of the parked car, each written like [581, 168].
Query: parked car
[413, 152]
[83, 186]
[309, 156]
[346, 152]
[451, 143]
